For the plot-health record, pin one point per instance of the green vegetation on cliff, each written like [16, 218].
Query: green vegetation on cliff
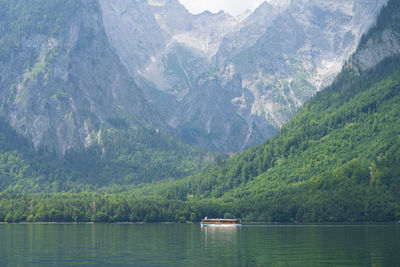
[19, 17]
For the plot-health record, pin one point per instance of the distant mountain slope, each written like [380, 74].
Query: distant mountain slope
[227, 83]
[338, 159]
[162, 42]
[267, 70]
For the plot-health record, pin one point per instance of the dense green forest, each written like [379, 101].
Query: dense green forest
[337, 160]
[124, 158]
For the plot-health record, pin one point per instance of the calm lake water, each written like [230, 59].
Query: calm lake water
[191, 245]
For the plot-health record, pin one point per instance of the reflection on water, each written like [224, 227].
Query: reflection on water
[214, 235]
[192, 245]
[220, 233]
[219, 242]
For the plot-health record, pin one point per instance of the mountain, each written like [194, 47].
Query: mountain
[69, 111]
[216, 81]
[226, 83]
[337, 160]
[269, 77]
[60, 80]
[162, 42]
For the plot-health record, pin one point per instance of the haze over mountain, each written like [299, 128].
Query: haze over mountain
[233, 7]
[226, 83]
[221, 82]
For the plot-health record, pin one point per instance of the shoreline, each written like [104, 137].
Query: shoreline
[71, 223]
[244, 223]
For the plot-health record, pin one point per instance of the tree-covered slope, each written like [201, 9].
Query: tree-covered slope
[337, 159]
[123, 158]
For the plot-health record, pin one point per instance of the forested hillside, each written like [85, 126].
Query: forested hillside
[337, 160]
[126, 157]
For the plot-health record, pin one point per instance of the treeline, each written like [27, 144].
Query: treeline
[92, 207]
[335, 198]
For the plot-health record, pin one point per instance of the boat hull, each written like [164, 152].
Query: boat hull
[220, 222]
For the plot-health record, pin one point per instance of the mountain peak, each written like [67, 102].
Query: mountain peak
[209, 13]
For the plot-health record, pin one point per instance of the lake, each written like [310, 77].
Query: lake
[192, 245]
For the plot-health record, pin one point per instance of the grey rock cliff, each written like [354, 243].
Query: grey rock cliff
[375, 50]
[228, 83]
[61, 90]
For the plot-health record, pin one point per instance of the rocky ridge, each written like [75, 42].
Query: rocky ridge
[227, 83]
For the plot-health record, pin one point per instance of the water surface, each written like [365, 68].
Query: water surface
[192, 245]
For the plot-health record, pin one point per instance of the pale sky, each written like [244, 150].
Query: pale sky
[233, 7]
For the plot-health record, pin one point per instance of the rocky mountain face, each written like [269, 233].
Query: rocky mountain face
[160, 41]
[63, 82]
[227, 83]
[340, 152]
[70, 68]
[383, 41]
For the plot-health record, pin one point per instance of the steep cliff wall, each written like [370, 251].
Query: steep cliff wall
[63, 82]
